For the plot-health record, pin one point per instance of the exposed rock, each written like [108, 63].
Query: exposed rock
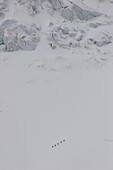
[52, 45]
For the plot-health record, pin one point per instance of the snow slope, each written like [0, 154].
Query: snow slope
[47, 96]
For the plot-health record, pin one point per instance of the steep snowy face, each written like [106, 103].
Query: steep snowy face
[63, 23]
[66, 9]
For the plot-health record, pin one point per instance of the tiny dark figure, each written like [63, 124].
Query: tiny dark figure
[60, 141]
[52, 146]
[57, 143]
[63, 140]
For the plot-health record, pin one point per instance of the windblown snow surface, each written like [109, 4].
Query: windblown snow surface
[56, 101]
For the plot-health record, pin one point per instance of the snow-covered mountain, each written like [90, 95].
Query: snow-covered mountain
[56, 84]
[67, 24]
